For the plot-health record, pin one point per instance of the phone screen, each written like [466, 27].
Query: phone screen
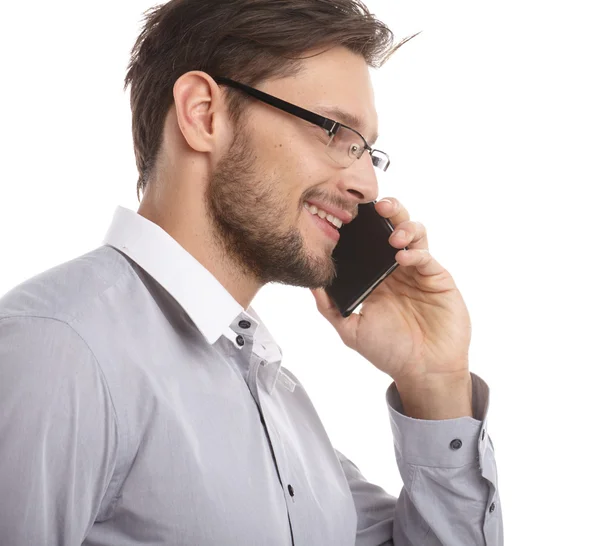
[363, 258]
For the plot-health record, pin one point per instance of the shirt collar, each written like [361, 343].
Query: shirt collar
[210, 306]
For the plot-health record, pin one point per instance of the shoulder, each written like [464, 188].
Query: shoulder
[62, 291]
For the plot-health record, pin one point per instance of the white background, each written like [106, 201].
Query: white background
[491, 117]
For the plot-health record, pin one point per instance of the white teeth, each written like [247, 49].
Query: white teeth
[322, 214]
[335, 221]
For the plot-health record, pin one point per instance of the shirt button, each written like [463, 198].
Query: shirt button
[291, 490]
[456, 444]
[244, 324]
[492, 507]
[240, 340]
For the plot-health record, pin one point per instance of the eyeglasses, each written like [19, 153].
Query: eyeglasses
[344, 145]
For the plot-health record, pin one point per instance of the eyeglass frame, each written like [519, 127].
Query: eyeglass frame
[330, 125]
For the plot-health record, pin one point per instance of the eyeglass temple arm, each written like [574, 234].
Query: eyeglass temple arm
[328, 124]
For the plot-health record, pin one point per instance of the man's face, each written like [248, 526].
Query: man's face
[255, 199]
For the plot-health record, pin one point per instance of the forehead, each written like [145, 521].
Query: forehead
[336, 84]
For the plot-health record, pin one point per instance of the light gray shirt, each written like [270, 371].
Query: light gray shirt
[140, 404]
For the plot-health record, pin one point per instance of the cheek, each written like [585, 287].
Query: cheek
[291, 155]
[282, 139]
[297, 177]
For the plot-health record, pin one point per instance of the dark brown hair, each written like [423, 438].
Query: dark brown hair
[245, 40]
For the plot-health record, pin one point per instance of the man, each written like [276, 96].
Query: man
[144, 401]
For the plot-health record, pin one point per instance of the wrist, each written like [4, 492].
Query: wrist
[436, 397]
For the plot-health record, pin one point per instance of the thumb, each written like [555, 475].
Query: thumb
[345, 327]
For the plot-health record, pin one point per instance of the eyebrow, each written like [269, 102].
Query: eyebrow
[347, 118]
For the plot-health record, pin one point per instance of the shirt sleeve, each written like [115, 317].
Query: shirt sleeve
[58, 434]
[450, 493]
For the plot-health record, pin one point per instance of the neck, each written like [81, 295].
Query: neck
[184, 217]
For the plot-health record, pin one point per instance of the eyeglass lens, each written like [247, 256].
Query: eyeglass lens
[346, 146]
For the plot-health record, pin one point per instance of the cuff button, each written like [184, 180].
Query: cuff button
[456, 444]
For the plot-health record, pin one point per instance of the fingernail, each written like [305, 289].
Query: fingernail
[385, 201]
[400, 235]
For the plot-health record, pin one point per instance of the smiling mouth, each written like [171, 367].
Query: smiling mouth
[329, 230]
[315, 211]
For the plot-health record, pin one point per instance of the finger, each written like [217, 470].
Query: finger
[411, 234]
[421, 259]
[393, 210]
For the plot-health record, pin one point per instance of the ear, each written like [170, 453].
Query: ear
[201, 110]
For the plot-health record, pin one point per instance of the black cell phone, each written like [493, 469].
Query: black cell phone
[363, 258]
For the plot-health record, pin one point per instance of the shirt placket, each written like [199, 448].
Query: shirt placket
[245, 330]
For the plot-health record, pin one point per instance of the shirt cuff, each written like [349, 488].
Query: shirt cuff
[448, 443]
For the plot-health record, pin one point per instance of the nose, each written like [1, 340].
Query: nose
[359, 180]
